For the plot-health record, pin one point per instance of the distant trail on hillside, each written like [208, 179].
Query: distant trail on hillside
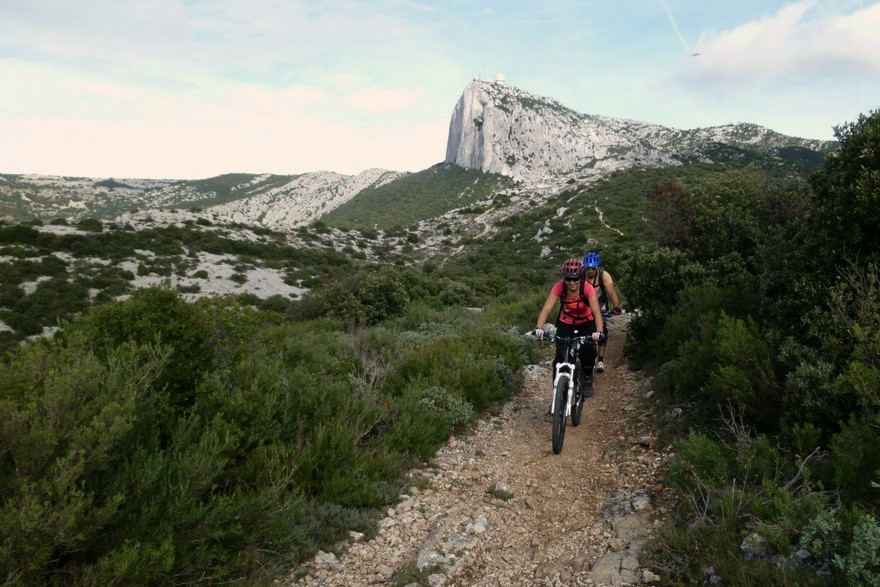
[602, 219]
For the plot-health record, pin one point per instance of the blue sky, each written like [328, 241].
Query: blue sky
[195, 88]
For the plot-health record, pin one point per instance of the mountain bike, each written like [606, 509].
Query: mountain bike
[568, 397]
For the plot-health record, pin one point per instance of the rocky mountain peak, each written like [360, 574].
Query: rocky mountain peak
[502, 129]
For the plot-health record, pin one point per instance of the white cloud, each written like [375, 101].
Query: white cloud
[796, 41]
[91, 126]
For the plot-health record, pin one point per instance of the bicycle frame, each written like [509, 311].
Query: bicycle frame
[574, 401]
[567, 369]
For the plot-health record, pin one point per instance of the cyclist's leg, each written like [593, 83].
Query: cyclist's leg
[588, 357]
[563, 330]
[600, 349]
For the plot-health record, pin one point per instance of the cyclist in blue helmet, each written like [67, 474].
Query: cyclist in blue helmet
[603, 284]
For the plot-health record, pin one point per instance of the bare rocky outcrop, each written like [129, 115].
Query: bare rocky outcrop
[502, 129]
[303, 199]
[498, 508]
[278, 202]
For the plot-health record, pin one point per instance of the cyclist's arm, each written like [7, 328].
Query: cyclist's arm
[608, 284]
[545, 311]
[597, 313]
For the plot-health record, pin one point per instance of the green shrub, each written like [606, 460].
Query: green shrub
[157, 316]
[446, 407]
[63, 429]
[462, 365]
[743, 374]
[381, 294]
[699, 457]
[854, 459]
[651, 295]
[454, 293]
[90, 225]
[852, 551]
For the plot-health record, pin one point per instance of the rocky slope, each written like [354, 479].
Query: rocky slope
[502, 129]
[497, 508]
[279, 202]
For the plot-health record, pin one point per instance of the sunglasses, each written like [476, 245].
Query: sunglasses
[572, 279]
[590, 268]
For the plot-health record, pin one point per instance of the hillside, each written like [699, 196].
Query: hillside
[417, 196]
[280, 202]
[526, 179]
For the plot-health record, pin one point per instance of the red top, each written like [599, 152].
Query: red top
[574, 309]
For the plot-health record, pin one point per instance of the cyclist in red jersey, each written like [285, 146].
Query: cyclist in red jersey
[579, 311]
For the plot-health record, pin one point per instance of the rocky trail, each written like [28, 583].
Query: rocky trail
[497, 508]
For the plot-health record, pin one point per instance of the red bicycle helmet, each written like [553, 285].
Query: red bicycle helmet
[572, 268]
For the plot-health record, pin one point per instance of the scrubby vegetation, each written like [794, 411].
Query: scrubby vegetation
[156, 441]
[760, 309]
[425, 194]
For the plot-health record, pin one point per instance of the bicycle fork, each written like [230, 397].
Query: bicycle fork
[570, 375]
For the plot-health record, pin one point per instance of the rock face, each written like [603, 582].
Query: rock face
[302, 200]
[502, 129]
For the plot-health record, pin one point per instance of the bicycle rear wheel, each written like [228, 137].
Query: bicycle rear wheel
[559, 414]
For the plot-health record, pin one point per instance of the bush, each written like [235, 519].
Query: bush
[90, 225]
[62, 430]
[854, 459]
[160, 316]
[650, 295]
[381, 294]
[743, 374]
[855, 560]
[455, 293]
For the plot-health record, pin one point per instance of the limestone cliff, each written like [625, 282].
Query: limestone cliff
[502, 129]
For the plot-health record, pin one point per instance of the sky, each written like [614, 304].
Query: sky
[190, 89]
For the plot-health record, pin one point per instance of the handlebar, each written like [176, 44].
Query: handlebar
[554, 337]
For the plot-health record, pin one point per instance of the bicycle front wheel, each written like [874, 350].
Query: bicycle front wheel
[559, 414]
[577, 409]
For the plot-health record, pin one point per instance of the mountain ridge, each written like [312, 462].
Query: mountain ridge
[494, 128]
[502, 129]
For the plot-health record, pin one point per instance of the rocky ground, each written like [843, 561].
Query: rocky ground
[497, 508]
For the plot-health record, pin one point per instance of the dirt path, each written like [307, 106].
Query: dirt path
[498, 508]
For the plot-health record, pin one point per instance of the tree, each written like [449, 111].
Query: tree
[847, 196]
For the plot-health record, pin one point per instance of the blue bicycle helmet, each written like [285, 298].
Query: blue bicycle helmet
[592, 260]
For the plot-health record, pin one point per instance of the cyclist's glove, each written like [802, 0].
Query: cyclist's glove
[597, 336]
[617, 311]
